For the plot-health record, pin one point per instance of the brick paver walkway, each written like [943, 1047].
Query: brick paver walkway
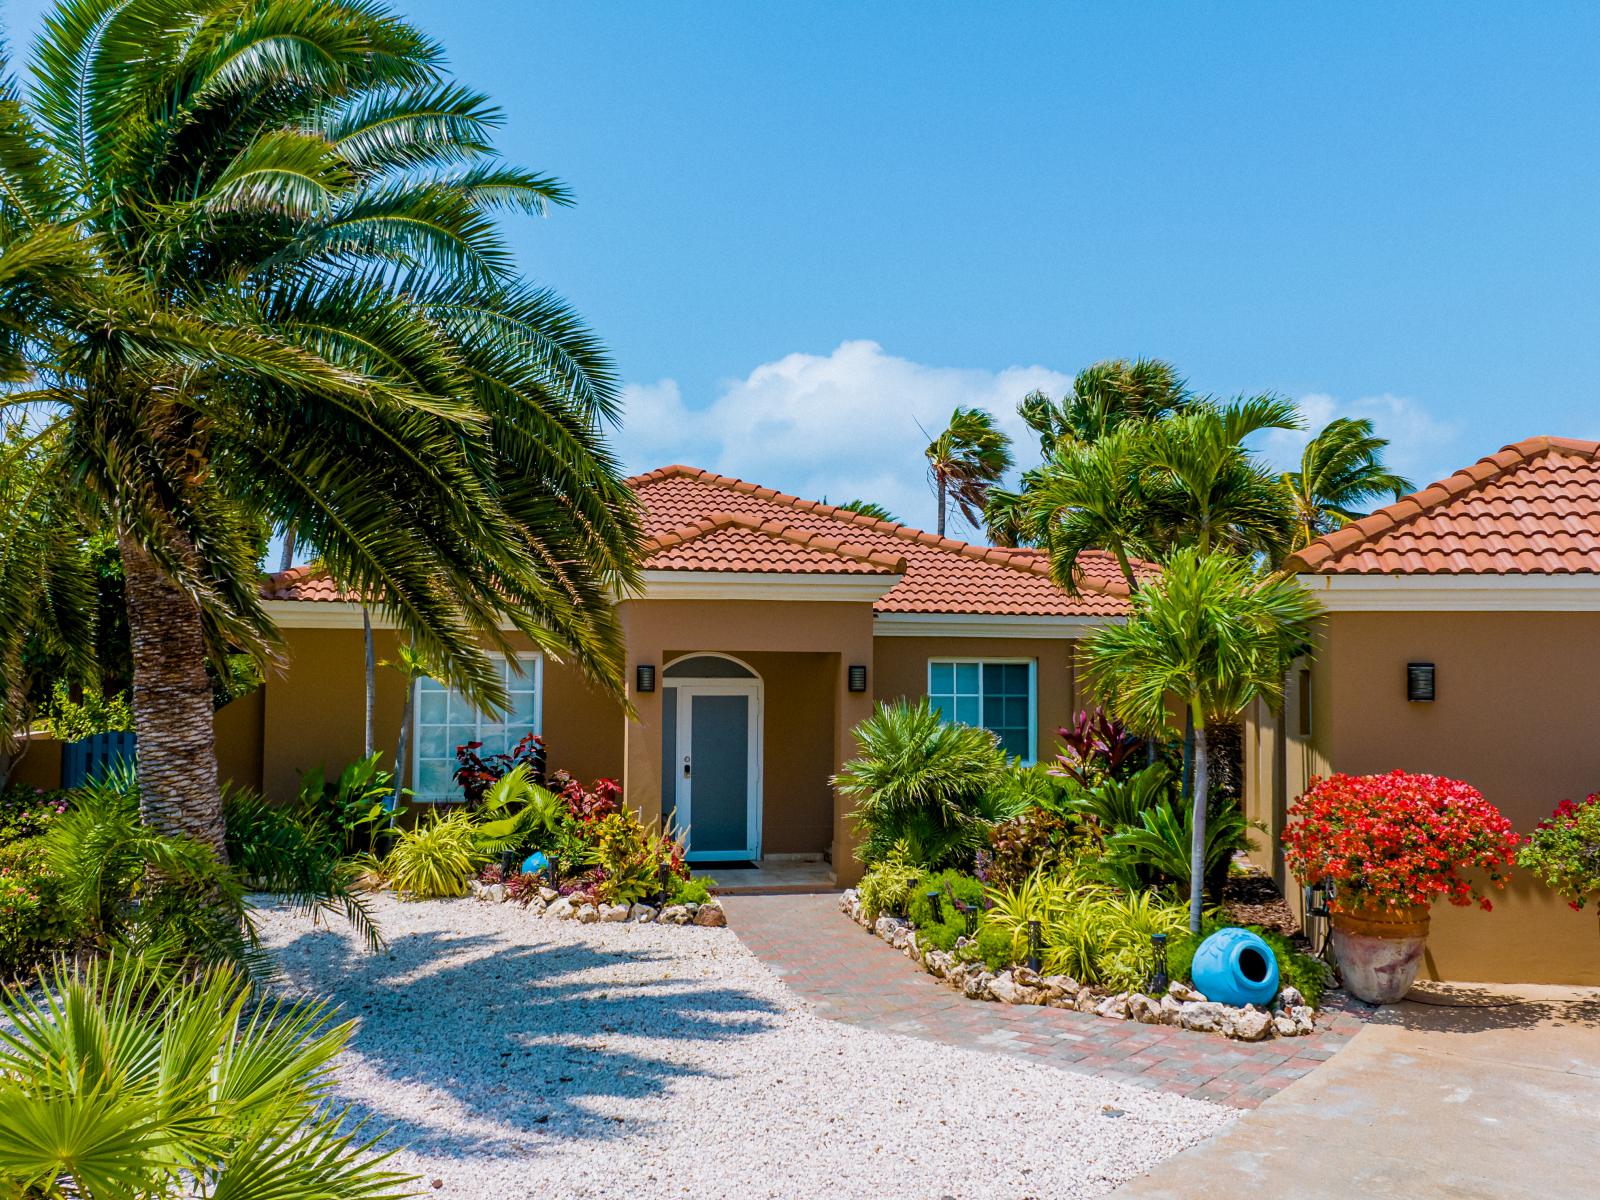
[851, 976]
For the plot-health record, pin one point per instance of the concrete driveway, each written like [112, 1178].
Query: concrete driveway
[1481, 1092]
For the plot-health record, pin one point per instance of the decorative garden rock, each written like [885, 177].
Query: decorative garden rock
[1284, 1026]
[675, 914]
[494, 893]
[1248, 1024]
[711, 916]
[641, 914]
[549, 895]
[1115, 1007]
[1144, 1010]
[588, 914]
[1183, 993]
[562, 909]
[1202, 1016]
[1304, 1018]
[1290, 997]
[1004, 988]
[1170, 1009]
[614, 912]
[977, 985]
[1057, 987]
[1086, 1000]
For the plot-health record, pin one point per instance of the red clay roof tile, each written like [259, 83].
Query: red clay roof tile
[1533, 508]
[696, 520]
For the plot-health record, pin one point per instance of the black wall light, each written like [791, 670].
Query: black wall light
[644, 678]
[1419, 682]
[858, 677]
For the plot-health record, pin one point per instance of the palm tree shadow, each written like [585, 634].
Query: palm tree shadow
[496, 1044]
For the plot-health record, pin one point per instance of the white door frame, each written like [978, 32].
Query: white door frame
[684, 791]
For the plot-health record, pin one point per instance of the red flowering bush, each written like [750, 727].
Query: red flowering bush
[1398, 840]
[588, 804]
[1564, 851]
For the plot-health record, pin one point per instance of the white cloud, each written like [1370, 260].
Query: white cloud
[846, 425]
[1421, 447]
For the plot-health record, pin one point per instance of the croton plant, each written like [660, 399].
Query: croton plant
[1399, 840]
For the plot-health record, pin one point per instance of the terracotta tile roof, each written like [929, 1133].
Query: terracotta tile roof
[1531, 509]
[941, 575]
[697, 520]
[729, 542]
[303, 583]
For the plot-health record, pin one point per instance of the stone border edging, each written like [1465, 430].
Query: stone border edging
[550, 903]
[1182, 1006]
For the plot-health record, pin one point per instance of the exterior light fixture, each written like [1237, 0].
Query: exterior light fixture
[1158, 964]
[666, 883]
[1034, 946]
[644, 678]
[1419, 683]
[934, 902]
[1316, 899]
[858, 677]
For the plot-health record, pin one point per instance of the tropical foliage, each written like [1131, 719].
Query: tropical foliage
[1341, 472]
[968, 458]
[923, 783]
[1216, 635]
[235, 243]
[118, 1081]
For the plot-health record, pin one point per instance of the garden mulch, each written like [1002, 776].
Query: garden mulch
[849, 975]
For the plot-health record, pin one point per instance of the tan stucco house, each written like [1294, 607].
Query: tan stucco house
[1462, 639]
[767, 629]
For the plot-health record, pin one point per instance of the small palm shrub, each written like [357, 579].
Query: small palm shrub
[1110, 804]
[436, 858]
[118, 1082]
[931, 785]
[1158, 848]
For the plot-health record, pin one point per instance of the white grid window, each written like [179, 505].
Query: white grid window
[445, 720]
[995, 694]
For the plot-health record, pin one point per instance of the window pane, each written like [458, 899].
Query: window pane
[1016, 677]
[967, 710]
[432, 706]
[1016, 713]
[966, 679]
[1016, 743]
[941, 679]
[994, 678]
[433, 778]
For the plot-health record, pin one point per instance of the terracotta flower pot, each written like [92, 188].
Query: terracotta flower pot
[1379, 950]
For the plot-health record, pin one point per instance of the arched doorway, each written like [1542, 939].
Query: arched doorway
[711, 755]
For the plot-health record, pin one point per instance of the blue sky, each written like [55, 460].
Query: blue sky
[805, 229]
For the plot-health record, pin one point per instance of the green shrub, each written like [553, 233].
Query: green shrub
[691, 891]
[27, 812]
[886, 888]
[70, 720]
[953, 887]
[932, 786]
[33, 922]
[1158, 847]
[998, 948]
[1308, 974]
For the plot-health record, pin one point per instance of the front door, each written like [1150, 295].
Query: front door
[718, 768]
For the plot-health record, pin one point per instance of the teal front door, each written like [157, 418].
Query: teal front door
[717, 764]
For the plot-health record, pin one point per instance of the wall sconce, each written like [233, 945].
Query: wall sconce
[644, 678]
[858, 677]
[1419, 682]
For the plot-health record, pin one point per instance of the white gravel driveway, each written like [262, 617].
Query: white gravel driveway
[515, 1056]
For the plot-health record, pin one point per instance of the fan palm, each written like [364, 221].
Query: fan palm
[1091, 496]
[1341, 471]
[965, 461]
[253, 278]
[1216, 636]
[117, 1082]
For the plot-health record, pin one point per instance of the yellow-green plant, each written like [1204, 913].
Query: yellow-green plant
[436, 858]
[887, 886]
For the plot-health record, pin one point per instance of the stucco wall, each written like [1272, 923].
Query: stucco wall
[900, 671]
[1516, 716]
[314, 711]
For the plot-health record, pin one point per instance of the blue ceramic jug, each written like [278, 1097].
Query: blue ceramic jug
[1234, 966]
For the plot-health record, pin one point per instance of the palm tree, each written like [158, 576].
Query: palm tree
[1341, 471]
[1216, 636]
[116, 1081]
[1208, 488]
[966, 460]
[1090, 496]
[1105, 397]
[253, 279]
[869, 508]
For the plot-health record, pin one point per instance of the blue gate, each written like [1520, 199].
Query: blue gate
[94, 756]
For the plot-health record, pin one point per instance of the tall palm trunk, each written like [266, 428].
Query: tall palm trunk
[287, 560]
[943, 500]
[172, 710]
[372, 677]
[1197, 846]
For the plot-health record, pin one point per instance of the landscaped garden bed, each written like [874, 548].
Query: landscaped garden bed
[541, 900]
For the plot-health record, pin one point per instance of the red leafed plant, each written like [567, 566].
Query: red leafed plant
[587, 804]
[1398, 840]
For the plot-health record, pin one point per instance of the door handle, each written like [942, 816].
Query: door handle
[686, 766]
